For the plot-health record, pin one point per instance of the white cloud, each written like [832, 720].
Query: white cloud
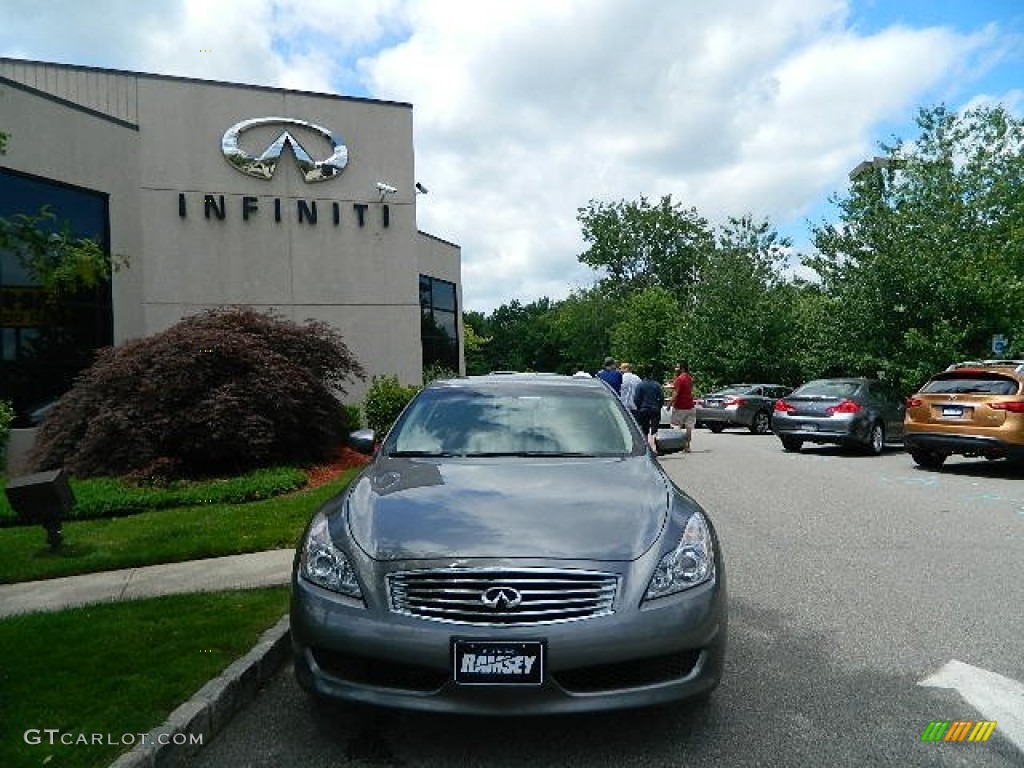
[524, 111]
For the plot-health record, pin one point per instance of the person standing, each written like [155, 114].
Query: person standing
[629, 383]
[648, 399]
[581, 373]
[684, 414]
[610, 375]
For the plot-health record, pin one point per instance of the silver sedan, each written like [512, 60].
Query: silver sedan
[514, 548]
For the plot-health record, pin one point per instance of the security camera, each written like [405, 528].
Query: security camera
[421, 189]
[386, 189]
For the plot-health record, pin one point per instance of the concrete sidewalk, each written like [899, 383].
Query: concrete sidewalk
[259, 569]
[213, 705]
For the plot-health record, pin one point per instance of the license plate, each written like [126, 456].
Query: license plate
[952, 411]
[498, 662]
[809, 427]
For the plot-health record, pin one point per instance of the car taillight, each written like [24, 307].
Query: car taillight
[784, 407]
[847, 406]
[1014, 406]
[732, 401]
[914, 402]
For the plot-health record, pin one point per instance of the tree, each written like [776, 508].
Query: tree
[736, 328]
[56, 260]
[224, 391]
[926, 261]
[638, 245]
[649, 320]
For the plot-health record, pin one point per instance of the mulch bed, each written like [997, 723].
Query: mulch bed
[344, 459]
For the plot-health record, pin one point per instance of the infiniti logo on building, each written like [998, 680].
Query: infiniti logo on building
[501, 598]
[263, 167]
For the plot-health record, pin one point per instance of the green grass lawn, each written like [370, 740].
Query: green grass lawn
[117, 668]
[162, 536]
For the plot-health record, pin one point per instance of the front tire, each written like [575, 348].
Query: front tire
[762, 423]
[791, 444]
[928, 459]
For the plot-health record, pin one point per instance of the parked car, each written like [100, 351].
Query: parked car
[970, 409]
[513, 548]
[856, 412]
[741, 405]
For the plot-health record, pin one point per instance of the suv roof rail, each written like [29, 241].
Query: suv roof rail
[1017, 365]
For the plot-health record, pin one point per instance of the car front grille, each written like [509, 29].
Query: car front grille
[504, 597]
[635, 673]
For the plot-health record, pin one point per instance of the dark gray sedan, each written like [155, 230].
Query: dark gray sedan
[741, 405]
[514, 548]
[856, 412]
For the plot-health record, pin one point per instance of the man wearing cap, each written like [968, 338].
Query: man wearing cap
[610, 375]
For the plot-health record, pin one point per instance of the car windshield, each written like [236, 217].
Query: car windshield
[961, 383]
[825, 388]
[513, 421]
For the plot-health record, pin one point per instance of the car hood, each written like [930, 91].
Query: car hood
[589, 509]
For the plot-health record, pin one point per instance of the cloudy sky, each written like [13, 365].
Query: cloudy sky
[526, 110]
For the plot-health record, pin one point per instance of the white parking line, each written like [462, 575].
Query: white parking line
[994, 696]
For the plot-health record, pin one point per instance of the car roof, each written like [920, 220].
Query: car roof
[516, 378]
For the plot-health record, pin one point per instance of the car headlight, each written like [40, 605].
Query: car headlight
[326, 565]
[692, 562]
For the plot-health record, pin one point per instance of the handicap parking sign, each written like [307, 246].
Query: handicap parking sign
[999, 344]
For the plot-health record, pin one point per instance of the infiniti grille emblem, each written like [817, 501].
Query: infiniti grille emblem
[263, 167]
[501, 598]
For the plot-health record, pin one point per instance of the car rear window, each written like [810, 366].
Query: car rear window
[824, 388]
[962, 383]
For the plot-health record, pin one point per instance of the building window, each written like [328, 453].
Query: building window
[439, 328]
[43, 346]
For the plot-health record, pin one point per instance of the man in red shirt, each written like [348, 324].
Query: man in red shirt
[684, 413]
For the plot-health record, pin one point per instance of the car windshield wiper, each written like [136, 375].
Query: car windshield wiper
[422, 454]
[546, 454]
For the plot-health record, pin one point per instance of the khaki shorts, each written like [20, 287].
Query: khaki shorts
[684, 418]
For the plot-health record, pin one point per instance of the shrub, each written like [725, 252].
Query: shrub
[6, 418]
[351, 418]
[438, 371]
[221, 392]
[385, 401]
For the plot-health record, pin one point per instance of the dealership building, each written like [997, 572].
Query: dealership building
[217, 194]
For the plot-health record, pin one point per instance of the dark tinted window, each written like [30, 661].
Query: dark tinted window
[44, 346]
[439, 330]
[961, 382]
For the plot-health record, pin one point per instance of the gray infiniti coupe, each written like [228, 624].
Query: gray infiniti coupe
[514, 548]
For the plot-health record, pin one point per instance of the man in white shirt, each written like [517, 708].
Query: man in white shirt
[629, 382]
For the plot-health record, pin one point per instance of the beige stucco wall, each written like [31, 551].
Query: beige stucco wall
[363, 280]
[87, 150]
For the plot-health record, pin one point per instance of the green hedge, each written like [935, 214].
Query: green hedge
[110, 497]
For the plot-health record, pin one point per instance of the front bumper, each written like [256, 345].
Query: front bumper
[669, 650]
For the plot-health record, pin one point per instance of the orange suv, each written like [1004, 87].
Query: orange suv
[970, 409]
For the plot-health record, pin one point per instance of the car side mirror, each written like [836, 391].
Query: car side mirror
[363, 440]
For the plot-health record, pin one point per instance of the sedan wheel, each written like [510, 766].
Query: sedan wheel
[876, 441]
[762, 423]
[928, 459]
[791, 444]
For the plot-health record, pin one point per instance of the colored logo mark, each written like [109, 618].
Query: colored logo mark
[958, 730]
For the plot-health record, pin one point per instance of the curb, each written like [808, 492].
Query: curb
[193, 725]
